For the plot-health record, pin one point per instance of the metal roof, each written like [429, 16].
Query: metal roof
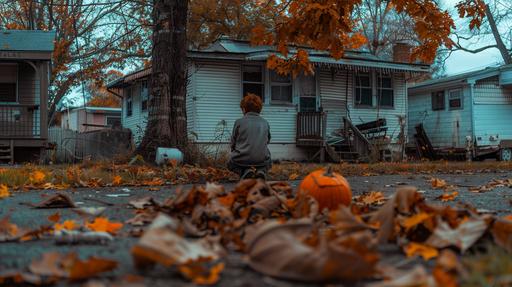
[226, 49]
[27, 40]
[463, 77]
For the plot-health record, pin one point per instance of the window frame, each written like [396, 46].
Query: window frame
[17, 100]
[280, 84]
[129, 102]
[300, 96]
[144, 97]
[434, 100]
[379, 89]
[357, 86]
[262, 83]
[112, 117]
[461, 99]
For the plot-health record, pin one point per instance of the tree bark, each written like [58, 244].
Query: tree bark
[499, 42]
[167, 119]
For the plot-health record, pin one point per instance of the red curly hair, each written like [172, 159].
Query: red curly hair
[251, 103]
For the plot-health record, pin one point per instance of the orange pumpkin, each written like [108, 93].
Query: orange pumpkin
[329, 188]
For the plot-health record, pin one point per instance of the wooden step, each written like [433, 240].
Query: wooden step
[5, 157]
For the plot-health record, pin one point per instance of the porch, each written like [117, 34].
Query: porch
[350, 143]
[24, 79]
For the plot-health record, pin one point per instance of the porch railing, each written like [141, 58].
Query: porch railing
[311, 128]
[19, 121]
[357, 141]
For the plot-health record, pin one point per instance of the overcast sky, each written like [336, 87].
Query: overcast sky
[459, 61]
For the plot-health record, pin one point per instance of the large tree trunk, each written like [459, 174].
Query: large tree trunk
[499, 42]
[167, 119]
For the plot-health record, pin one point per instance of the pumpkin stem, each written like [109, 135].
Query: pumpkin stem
[329, 171]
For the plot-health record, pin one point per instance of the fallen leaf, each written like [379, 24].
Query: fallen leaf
[344, 221]
[103, 224]
[437, 183]
[161, 244]
[401, 202]
[416, 276]
[91, 267]
[373, 197]
[143, 202]
[463, 237]
[116, 180]
[89, 211]
[70, 266]
[37, 176]
[448, 196]
[279, 250]
[425, 251]
[154, 181]
[9, 231]
[502, 232]
[293, 176]
[414, 220]
[59, 200]
[66, 225]
[54, 217]
[201, 275]
[448, 269]
[4, 191]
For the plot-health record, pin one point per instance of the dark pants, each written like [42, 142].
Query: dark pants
[240, 169]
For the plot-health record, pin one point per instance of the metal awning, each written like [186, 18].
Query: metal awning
[353, 64]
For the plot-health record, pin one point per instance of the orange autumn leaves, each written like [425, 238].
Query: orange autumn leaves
[329, 25]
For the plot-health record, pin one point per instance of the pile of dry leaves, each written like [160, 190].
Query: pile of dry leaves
[282, 235]
[288, 237]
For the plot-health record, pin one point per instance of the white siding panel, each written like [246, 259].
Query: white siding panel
[217, 104]
[282, 121]
[138, 120]
[445, 128]
[333, 91]
[217, 100]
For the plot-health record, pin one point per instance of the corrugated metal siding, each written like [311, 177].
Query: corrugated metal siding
[445, 128]
[333, 90]
[361, 115]
[493, 112]
[488, 91]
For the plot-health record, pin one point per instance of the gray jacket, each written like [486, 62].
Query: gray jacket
[249, 140]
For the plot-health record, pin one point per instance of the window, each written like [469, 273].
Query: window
[144, 93]
[113, 121]
[252, 80]
[8, 83]
[438, 101]
[307, 93]
[280, 88]
[129, 104]
[455, 99]
[385, 91]
[363, 86]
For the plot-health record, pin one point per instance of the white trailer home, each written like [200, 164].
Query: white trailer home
[467, 111]
[306, 114]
